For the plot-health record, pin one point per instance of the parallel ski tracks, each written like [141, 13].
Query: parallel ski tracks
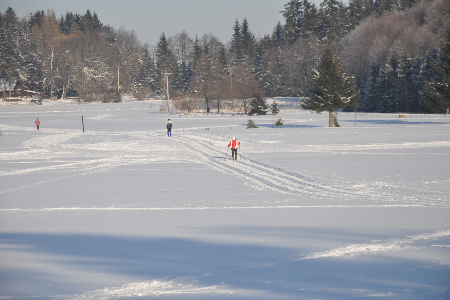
[263, 176]
[260, 175]
[208, 150]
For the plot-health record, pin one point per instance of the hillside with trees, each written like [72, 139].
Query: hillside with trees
[392, 55]
[390, 47]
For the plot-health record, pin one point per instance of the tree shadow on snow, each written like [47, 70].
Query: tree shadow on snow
[279, 271]
[148, 257]
[286, 126]
[393, 122]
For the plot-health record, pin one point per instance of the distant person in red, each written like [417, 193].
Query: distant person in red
[37, 122]
[234, 147]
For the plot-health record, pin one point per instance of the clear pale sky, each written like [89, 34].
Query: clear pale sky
[149, 18]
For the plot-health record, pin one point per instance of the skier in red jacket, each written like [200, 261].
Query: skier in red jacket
[234, 147]
[37, 122]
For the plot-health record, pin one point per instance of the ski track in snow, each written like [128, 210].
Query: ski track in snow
[192, 284]
[378, 246]
[256, 174]
[104, 151]
[49, 140]
[153, 288]
[50, 209]
[262, 176]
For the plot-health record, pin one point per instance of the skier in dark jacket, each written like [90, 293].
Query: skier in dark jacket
[169, 125]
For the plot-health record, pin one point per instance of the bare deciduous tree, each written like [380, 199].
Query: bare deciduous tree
[245, 86]
[48, 38]
[181, 45]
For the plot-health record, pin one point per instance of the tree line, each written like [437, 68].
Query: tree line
[393, 56]
[389, 46]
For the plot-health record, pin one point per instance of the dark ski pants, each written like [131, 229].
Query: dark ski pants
[234, 152]
[169, 132]
[37, 127]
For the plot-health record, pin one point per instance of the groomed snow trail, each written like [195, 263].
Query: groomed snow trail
[307, 235]
[256, 174]
[259, 175]
[105, 150]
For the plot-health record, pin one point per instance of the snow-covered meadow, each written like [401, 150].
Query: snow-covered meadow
[307, 212]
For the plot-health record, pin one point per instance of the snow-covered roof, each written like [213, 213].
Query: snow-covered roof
[4, 84]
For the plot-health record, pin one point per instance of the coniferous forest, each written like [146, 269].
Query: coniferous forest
[394, 50]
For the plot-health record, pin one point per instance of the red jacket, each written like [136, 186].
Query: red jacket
[37, 122]
[234, 144]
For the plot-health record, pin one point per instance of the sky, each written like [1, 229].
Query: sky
[150, 18]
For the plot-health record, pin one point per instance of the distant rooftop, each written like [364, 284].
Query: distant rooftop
[4, 84]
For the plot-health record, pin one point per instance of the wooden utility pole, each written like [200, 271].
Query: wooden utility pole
[118, 79]
[167, 90]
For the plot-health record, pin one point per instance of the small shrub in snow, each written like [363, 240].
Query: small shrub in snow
[117, 97]
[251, 124]
[274, 108]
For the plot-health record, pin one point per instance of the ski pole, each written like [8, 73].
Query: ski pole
[225, 156]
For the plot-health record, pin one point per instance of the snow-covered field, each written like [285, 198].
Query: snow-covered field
[307, 212]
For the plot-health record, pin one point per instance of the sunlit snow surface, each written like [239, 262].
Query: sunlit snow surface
[306, 212]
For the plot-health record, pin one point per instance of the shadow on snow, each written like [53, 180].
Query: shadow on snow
[285, 126]
[239, 266]
[393, 122]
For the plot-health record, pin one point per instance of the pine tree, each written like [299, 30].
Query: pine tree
[96, 24]
[333, 17]
[258, 106]
[437, 96]
[357, 11]
[3, 49]
[330, 88]
[36, 18]
[236, 47]
[31, 62]
[248, 40]
[292, 16]
[274, 108]
[69, 22]
[387, 102]
[223, 59]
[88, 20]
[425, 73]
[406, 80]
[395, 91]
[145, 76]
[10, 55]
[182, 77]
[373, 90]
[310, 19]
[260, 48]
[278, 35]
[197, 51]
[165, 61]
